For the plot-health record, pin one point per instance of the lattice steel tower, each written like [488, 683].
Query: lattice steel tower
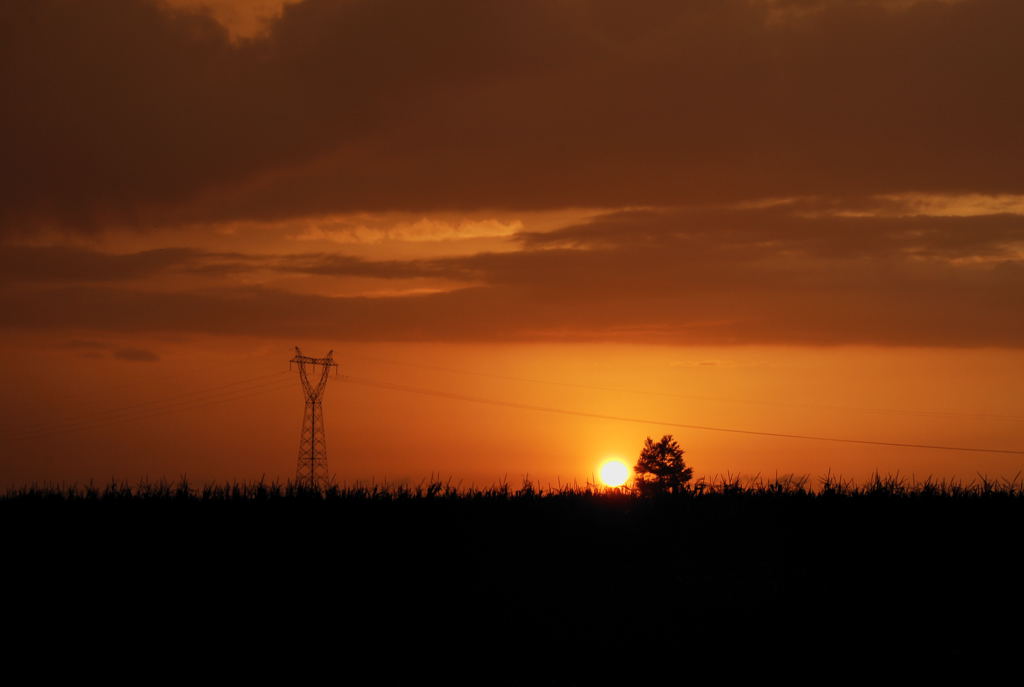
[311, 470]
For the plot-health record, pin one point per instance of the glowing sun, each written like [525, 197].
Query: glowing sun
[614, 472]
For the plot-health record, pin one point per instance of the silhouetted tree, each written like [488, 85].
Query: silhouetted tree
[661, 468]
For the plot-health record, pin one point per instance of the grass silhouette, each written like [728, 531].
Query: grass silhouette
[715, 487]
[714, 568]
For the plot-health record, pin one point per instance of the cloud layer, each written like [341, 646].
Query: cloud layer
[753, 171]
[125, 111]
[777, 274]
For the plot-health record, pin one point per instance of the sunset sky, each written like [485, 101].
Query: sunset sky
[534, 233]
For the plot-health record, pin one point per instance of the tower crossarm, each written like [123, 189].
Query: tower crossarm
[305, 359]
[327, 360]
[314, 389]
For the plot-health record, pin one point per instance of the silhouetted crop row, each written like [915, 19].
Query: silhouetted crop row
[486, 569]
[802, 487]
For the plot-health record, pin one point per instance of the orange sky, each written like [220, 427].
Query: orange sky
[786, 217]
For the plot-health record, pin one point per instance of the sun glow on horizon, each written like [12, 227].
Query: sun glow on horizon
[614, 472]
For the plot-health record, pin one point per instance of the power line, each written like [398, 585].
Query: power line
[693, 397]
[179, 371]
[179, 406]
[171, 399]
[223, 394]
[600, 416]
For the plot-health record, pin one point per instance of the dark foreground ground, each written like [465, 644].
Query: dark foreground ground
[598, 582]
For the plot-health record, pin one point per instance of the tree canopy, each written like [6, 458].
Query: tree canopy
[661, 468]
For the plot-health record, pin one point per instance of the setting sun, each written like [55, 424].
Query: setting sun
[614, 472]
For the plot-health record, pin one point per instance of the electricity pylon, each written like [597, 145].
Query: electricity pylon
[311, 470]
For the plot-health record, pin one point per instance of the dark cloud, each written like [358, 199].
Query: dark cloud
[42, 264]
[84, 344]
[973, 306]
[121, 111]
[25, 265]
[71, 264]
[349, 266]
[795, 228]
[766, 275]
[136, 355]
[95, 349]
[20, 264]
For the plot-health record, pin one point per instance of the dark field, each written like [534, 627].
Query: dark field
[722, 572]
